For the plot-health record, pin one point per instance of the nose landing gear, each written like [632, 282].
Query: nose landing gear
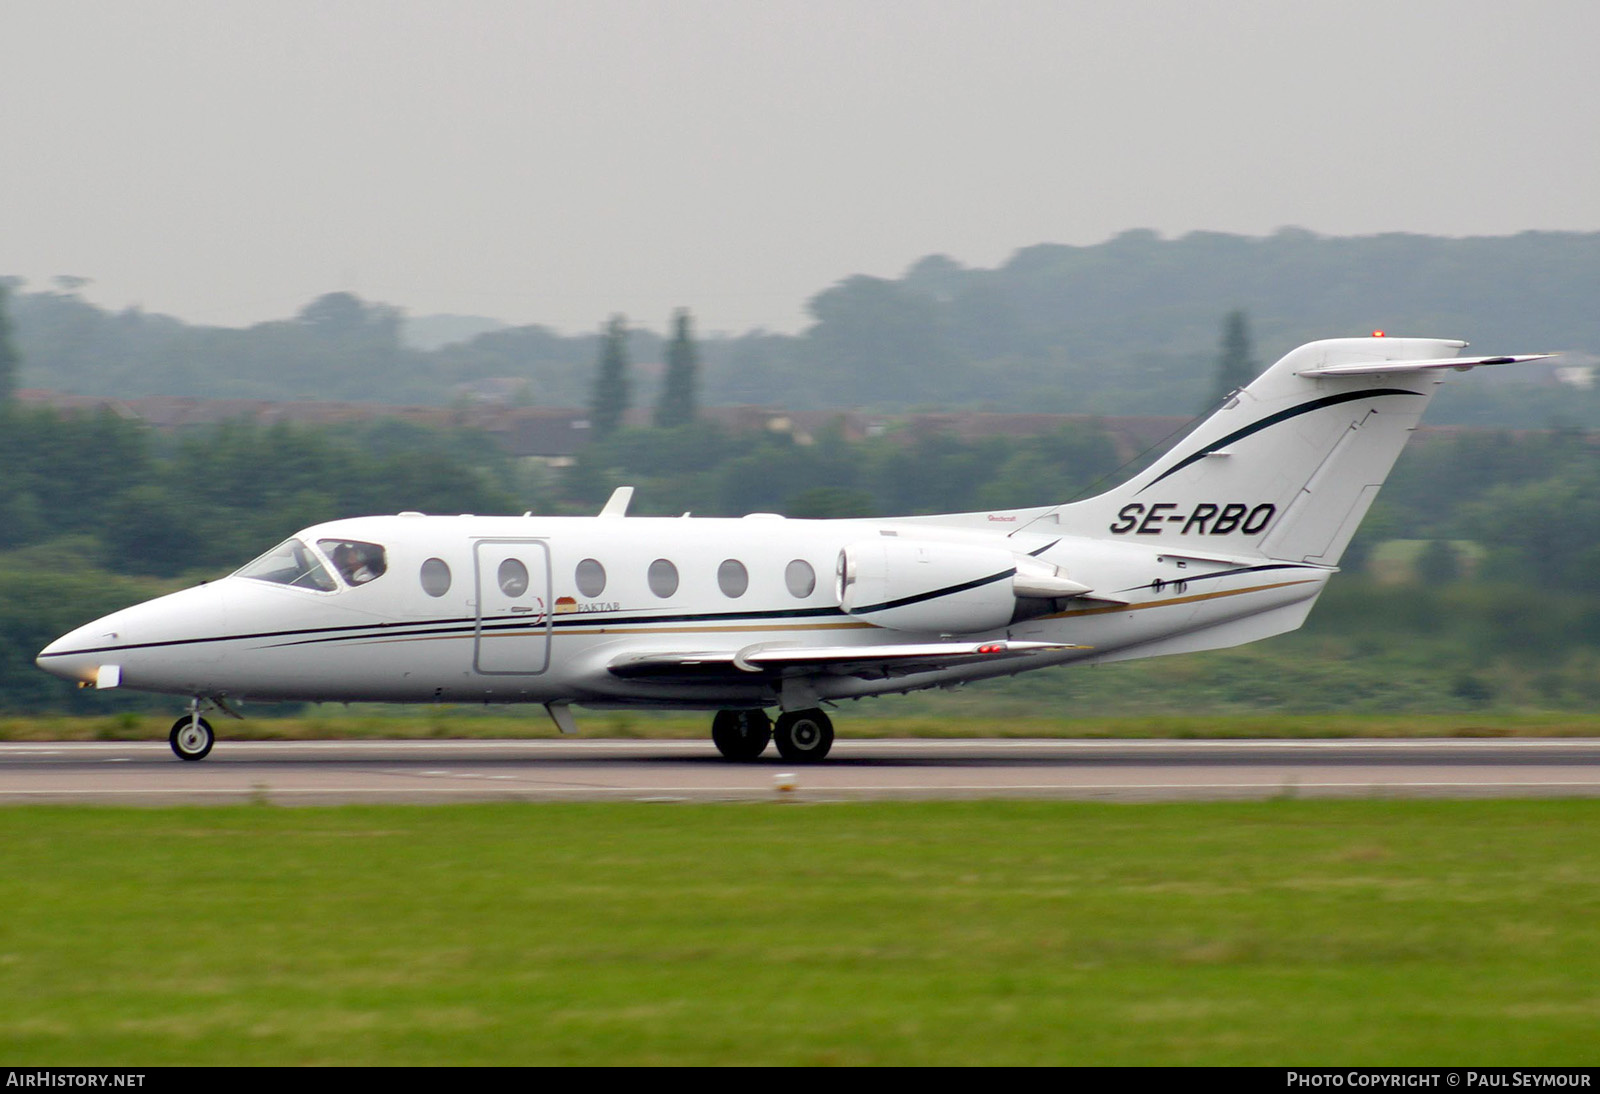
[191, 737]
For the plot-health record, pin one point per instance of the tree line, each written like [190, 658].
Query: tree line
[155, 505]
[1121, 327]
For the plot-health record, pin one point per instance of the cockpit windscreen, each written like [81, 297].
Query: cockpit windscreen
[290, 563]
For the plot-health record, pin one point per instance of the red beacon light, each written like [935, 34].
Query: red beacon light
[1377, 334]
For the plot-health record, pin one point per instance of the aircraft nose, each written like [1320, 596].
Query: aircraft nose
[132, 647]
[69, 656]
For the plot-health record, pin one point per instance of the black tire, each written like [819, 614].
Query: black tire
[191, 738]
[803, 736]
[741, 735]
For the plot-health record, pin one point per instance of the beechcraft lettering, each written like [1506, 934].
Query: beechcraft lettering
[746, 615]
[1203, 519]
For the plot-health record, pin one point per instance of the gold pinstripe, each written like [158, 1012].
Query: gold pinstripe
[758, 628]
[1195, 599]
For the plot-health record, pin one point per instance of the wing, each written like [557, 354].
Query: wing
[869, 662]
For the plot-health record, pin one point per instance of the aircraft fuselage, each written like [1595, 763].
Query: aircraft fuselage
[503, 613]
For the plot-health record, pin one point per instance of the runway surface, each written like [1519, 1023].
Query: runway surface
[324, 772]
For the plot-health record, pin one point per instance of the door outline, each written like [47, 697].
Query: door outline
[485, 588]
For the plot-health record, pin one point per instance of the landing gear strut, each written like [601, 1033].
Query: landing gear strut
[803, 736]
[741, 735]
[191, 737]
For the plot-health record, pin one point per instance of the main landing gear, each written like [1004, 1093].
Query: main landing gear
[741, 735]
[802, 736]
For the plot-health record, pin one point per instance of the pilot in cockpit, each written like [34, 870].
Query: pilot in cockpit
[356, 565]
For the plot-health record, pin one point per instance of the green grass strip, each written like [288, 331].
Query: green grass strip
[1341, 933]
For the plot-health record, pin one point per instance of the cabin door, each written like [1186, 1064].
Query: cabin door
[512, 636]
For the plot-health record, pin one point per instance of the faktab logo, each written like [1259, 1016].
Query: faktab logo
[1205, 519]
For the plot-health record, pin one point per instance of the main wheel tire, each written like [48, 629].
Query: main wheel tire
[803, 736]
[741, 735]
[191, 738]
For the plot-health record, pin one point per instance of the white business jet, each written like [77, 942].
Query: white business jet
[1228, 538]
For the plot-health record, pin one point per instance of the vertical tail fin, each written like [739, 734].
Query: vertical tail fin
[1289, 465]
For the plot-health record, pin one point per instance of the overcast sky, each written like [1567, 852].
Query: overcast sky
[556, 162]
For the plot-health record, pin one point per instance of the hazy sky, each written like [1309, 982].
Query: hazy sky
[556, 162]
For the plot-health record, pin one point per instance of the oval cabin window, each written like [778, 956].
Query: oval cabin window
[663, 578]
[591, 577]
[732, 578]
[513, 577]
[435, 577]
[801, 578]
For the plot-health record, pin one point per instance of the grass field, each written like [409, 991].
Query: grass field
[1404, 932]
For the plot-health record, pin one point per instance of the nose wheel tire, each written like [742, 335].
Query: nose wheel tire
[741, 735]
[803, 736]
[191, 738]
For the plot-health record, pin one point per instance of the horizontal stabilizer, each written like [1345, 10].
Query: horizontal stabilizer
[1380, 368]
[875, 661]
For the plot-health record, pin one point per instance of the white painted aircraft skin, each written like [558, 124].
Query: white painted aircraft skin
[1226, 539]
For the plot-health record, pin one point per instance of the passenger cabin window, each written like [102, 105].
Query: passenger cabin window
[801, 578]
[290, 563]
[357, 562]
[513, 578]
[732, 578]
[591, 577]
[435, 577]
[663, 578]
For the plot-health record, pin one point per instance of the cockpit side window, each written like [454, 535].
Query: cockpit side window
[290, 563]
[357, 562]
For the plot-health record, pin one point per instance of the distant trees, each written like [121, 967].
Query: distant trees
[711, 472]
[1236, 363]
[1128, 326]
[10, 362]
[338, 335]
[612, 387]
[1546, 532]
[875, 343]
[1439, 563]
[679, 394]
[217, 498]
[335, 314]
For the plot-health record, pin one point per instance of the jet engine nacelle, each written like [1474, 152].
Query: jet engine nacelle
[918, 585]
